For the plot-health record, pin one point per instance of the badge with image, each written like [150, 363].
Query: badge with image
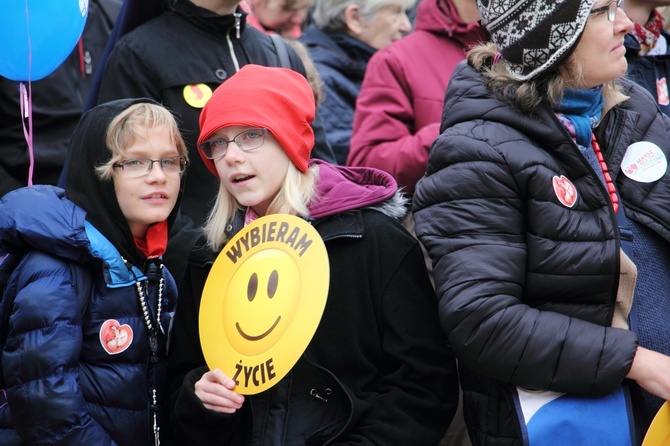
[644, 162]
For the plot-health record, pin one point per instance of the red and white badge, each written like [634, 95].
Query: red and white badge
[565, 190]
[114, 337]
[644, 162]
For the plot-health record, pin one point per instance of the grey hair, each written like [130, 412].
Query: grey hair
[328, 15]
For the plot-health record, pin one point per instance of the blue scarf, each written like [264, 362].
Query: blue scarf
[584, 109]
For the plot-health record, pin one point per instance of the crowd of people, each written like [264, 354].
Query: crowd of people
[489, 178]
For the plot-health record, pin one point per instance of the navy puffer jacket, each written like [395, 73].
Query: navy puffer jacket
[341, 61]
[68, 380]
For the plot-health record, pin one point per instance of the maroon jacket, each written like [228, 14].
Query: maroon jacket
[399, 107]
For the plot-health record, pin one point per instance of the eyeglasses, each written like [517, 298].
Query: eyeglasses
[138, 167]
[611, 8]
[247, 140]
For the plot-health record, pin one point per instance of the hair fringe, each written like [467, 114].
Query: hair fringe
[127, 125]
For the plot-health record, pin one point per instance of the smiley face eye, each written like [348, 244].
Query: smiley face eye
[252, 287]
[273, 282]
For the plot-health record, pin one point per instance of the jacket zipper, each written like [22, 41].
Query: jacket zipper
[612, 215]
[231, 48]
[351, 402]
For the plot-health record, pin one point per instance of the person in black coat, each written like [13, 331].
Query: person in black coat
[344, 36]
[648, 50]
[377, 370]
[178, 59]
[542, 212]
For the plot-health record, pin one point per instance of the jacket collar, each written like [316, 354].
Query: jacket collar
[217, 25]
[617, 129]
[346, 225]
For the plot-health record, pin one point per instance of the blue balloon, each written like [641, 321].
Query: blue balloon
[36, 36]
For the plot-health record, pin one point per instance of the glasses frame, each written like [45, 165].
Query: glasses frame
[180, 158]
[203, 146]
[612, 9]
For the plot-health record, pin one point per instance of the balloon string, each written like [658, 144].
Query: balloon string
[82, 65]
[30, 44]
[26, 100]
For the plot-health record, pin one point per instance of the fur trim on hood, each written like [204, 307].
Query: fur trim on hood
[342, 189]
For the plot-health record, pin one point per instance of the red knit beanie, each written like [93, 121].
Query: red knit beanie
[278, 99]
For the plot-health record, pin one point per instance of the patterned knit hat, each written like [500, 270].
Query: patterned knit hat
[534, 35]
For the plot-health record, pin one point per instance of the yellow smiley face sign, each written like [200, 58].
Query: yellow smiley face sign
[659, 430]
[263, 300]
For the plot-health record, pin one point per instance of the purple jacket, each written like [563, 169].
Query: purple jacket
[344, 189]
[399, 106]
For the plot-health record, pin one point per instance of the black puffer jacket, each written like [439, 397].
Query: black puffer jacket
[527, 286]
[649, 70]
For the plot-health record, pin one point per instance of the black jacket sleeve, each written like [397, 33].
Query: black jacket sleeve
[191, 422]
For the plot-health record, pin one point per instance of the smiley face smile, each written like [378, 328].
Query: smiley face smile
[260, 336]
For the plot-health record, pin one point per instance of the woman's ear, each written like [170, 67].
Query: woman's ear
[353, 20]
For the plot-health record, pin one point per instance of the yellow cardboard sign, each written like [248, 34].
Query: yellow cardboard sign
[659, 430]
[263, 300]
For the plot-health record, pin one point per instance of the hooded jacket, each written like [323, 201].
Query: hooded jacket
[63, 382]
[400, 102]
[518, 272]
[341, 61]
[171, 58]
[378, 346]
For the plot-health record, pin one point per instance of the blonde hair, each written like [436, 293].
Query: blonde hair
[126, 126]
[290, 5]
[527, 95]
[295, 194]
